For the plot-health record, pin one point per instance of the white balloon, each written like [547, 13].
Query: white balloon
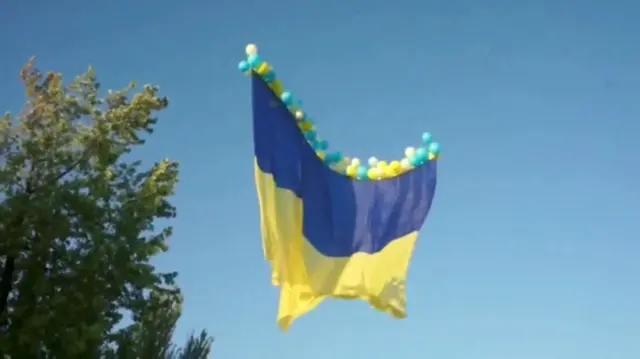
[355, 162]
[410, 152]
[404, 164]
[251, 50]
[373, 162]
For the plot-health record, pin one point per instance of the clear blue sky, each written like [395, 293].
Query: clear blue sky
[530, 251]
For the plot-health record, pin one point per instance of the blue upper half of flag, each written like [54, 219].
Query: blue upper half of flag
[342, 216]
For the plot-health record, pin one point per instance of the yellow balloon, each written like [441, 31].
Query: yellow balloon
[340, 166]
[374, 173]
[395, 166]
[351, 171]
[321, 154]
[299, 115]
[389, 172]
[382, 164]
[305, 126]
[263, 69]
[277, 88]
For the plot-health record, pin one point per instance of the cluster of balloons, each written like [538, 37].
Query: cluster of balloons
[373, 169]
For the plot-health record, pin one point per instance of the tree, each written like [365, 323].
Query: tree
[77, 224]
[151, 336]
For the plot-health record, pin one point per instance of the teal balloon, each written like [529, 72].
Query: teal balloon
[427, 138]
[323, 145]
[361, 173]
[269, 77]
[244, 66]
[414, 161]
[422, 154]
[311, 136]
[286, 97]
[254, 60]
[330, 158]
[434, 148]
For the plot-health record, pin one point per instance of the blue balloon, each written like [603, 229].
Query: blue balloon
[361, 173]
[422, 154]
[434, 148]
[286, 97]
[244, 66]
[254, 60]
[427, 138]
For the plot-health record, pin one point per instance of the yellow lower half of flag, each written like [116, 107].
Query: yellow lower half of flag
[307, 277]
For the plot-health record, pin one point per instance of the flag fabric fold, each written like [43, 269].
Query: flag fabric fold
[324, 234]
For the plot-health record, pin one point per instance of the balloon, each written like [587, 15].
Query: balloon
[374, 173]
[340, 166]
[321, 155]
[351, 171]
[409, 152]
[243, 66]
[427, 138]
[373, 162]
[286, 97]
[254, 60]
[395, 166]
[361, 173]
[382, 164]
[323, 144]
[355, 162]
[276, 86]
[389, 172]
[263, 69]
[434, 148]
[299, 115]
[251, 50]
[306, 127]
[433, 157]
[414, 161]
[270, 77]
[421, 154]
[333, 158]
[311, 136]
[405, 165]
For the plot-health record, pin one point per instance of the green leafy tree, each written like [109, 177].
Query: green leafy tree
[77, 225]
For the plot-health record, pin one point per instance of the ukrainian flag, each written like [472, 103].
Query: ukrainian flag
[327, 235]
